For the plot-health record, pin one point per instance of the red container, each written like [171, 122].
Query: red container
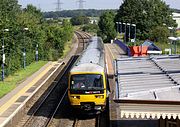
[144, 50]
[136, 51]
[132, 51]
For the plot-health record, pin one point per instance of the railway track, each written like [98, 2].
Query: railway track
[65, 116]
[54, 100]
[54, 109]
[100, 120]
[85, 123]
[83, 38]
[46, 110]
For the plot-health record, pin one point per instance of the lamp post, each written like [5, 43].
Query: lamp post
[24, 49]
[36, 52]
[171, 28]
[117, 27]
[124, 33]
[178, 40]
[171, 39]
[129, 36]
[120, 28]
[3, 55]
[134, 32]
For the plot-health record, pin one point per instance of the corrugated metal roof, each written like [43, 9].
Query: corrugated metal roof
[155, 78]
[170, 65]
[148, 88]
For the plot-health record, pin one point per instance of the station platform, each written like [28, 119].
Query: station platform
[146, 91]
[13, 102]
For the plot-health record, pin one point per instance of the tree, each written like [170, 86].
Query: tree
[80, 20]
[56, 36]
[68, 30]
[146, 14]
[50, 38]
[90, 28]
[31, 18]
[106, 26]
[159, 34]
[9, 9]
[75, 13]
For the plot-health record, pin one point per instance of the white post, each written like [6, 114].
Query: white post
[129, 36]
[3, 55]
[134, 32]
[24, 52]
[125, 33]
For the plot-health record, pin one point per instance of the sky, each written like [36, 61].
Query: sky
[50, 5]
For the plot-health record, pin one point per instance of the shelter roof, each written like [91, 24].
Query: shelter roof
[150, 82]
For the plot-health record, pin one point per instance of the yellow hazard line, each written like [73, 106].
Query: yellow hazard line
[4, 107]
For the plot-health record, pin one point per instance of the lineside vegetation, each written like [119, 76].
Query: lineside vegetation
[151, 17]
[14, 79]
[49, 36]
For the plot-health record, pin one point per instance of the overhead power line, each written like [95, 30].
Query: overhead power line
[58, 5]
[81, 6]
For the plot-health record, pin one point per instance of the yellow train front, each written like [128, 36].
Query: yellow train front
[87, 89]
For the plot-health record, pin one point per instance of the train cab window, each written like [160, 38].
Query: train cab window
[87, 81]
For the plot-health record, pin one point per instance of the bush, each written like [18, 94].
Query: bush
[90, 28]
[80, 20]
[159, 34]
[49, 36]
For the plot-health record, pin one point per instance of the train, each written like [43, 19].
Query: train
[87, 81]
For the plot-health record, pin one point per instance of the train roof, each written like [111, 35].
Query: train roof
[96, 43]
[88, 67]
[92, 56]
[94, 53]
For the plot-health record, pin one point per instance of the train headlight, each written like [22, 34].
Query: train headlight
[78, 97]
[99, 96]
[97, 108]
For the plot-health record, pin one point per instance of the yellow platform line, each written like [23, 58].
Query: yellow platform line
[4, 107]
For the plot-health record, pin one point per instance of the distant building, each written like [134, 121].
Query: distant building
[48, 19]
[93, 21]
[176, 16]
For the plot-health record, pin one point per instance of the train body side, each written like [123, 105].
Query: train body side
[87, 85]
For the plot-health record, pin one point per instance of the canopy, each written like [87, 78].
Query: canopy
[151, 46]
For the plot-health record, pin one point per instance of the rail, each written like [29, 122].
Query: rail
[30, 120]
[84, 37]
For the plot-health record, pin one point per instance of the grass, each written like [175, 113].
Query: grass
[77, 27]
[178, 33]
[164, 46]
[67, 48]
[12, 81]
